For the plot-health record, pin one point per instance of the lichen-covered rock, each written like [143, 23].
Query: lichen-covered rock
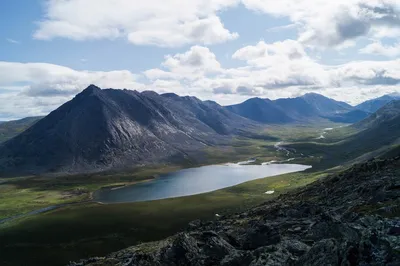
[324, 252]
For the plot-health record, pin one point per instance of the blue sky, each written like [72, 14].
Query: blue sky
[50, 49]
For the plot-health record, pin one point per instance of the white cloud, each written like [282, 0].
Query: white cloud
[320, 23]
[264, 54]
[369, 72]
[15, 106]
[196, 62]
[279, 65]
[28, 89]
[49, 80]
[377, 48]
[278, 69]
[198, 58]
[166, 86]
[12, 41]
[152, 22]
[325, 23]
[281, 28]
[281, 69]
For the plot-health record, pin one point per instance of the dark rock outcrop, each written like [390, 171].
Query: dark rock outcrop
[350, 218]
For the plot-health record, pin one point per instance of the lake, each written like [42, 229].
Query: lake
[194, 181]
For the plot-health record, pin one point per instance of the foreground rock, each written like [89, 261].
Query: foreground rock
[351, 218]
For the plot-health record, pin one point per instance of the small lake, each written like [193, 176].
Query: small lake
[194, 181]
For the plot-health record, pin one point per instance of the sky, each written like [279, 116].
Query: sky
[221, 50]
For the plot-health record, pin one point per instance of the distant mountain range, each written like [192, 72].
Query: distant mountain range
[308, 107]
[100, 129]
[374, 105]
[104, 129]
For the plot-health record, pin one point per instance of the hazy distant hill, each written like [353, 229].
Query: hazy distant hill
[10, 129]
[100, 129]
[375, 104]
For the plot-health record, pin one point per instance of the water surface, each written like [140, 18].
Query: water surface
[194, 181]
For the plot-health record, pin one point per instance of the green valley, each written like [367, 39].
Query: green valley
[87, 229]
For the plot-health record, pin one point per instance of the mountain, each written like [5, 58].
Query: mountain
[347, 218]
[375, 104]
[324, 105]
[261, 110]
[387, 115]
[103, 129]
[377, 133]
[307, 108]
[297, 108]
[353, 116]
[373, 136]
[10, 129]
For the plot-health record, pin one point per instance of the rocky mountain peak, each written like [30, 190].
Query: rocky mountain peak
[92, 89]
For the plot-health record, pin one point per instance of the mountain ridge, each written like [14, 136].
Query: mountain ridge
[261, 110]
[99, 129]
[307, 108]
[374, 105]
[102, 129]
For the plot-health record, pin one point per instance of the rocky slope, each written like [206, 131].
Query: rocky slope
[11, 129]
[103, 129]
[350, 218]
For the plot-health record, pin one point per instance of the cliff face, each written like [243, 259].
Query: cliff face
[103, 129]
[350, 218]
